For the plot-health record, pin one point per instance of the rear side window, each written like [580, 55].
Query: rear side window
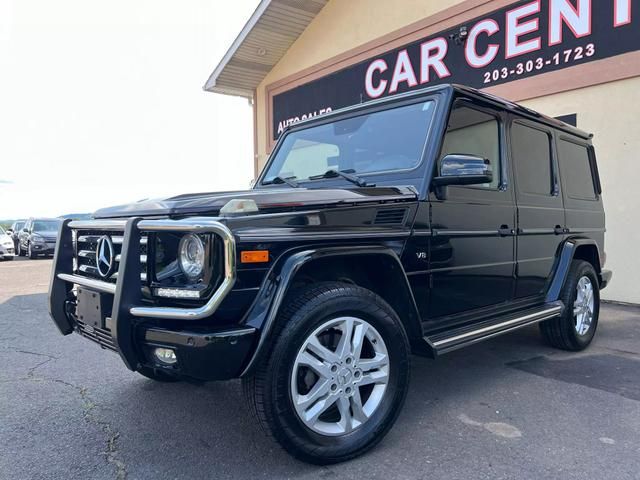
[531, 152]
[576, 170]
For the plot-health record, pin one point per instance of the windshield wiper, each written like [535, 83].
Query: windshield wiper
[346, 174]
[277, 180]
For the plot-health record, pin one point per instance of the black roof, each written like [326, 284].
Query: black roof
[453, 89]
[521, 110]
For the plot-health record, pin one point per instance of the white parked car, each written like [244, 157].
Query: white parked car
[7, 250]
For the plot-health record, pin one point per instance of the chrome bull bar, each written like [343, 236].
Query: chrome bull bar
[127, 304]
[195, 225]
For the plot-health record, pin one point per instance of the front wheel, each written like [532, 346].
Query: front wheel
[30, 252]
[337, 375]
[575, 329]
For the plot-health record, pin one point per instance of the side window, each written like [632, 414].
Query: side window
[576, 170]
[473, 132]
[531, 153]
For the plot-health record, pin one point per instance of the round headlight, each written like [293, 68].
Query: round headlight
[191, 256]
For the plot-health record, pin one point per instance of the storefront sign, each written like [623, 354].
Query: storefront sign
[524, 39]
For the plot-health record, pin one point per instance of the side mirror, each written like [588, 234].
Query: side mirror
[457, 169]
[26, 230]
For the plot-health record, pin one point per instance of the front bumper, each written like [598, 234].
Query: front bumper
[7, 252]
[132, 330]
[202, 354]
[43, 248]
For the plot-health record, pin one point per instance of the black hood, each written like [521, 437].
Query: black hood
[268, 200]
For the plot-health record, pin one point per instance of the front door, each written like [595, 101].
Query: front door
[472, 248]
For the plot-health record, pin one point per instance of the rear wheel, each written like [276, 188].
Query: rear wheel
[575, 329]
[337, 375]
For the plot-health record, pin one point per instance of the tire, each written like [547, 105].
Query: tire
[158, 375]
[20, 253]
[334, 437]
[30, 253]
[571, 331]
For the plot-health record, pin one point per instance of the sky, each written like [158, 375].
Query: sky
[101, 103]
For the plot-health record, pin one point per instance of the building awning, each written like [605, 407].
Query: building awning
[271, 30]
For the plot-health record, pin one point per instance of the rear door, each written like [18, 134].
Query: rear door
[541, 220]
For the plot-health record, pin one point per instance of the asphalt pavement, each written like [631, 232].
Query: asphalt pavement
[508, 408]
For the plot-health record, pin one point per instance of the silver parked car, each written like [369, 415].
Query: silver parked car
[7, 250]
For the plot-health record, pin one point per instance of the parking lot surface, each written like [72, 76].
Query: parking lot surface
[507, 408]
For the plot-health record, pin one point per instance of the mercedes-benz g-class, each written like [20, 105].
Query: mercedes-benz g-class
[415, 224]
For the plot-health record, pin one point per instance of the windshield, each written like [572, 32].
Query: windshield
[46, 225]
[2, 232]
[381, 141]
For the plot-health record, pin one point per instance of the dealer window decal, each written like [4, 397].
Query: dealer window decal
[524, 39]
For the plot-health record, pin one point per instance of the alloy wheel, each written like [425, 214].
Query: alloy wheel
[584, 305]
[340, 376]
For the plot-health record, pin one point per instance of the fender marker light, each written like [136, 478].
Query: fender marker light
[254, 256]
[237, 206]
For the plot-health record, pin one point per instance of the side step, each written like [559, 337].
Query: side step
[450, 340]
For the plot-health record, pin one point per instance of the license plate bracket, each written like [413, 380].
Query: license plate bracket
[90, 308]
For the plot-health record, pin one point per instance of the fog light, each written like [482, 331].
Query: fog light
[165, 355]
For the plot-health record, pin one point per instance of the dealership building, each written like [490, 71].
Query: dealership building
[578, 60]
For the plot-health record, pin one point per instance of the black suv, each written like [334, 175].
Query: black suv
[420, 223]
[38, 237]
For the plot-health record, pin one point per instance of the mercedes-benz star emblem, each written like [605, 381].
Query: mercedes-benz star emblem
[105, 256]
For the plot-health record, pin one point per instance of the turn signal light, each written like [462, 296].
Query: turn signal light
[254, 256]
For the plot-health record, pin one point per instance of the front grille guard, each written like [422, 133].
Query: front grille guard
[127, 305]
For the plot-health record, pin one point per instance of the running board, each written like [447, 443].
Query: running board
[450, 340]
